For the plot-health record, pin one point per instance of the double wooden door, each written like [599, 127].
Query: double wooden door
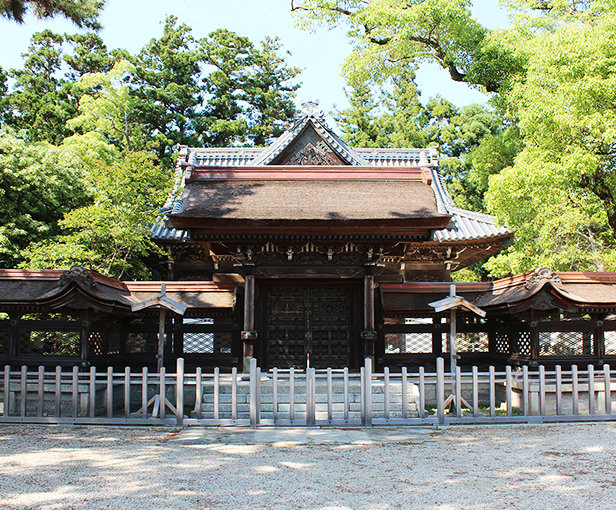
[309, 325]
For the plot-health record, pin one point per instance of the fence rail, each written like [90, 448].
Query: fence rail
[306, 397]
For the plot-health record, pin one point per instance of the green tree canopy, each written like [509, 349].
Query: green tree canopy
[84, 13]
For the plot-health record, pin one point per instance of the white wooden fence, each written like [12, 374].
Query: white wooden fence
[308, 397]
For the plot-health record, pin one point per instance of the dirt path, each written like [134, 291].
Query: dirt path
[569, 466]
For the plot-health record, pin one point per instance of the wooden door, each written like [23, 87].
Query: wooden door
[310, 324]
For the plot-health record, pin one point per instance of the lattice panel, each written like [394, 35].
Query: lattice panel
[561, 343]
[50, 343]
[287, 308]
[222, 343]
[335, 308]
[198, 343]
[524, 343]
[472, 342]
[502, 343]
[401, 343]
[610, 342]
[4, 341]
[95, 344]
[113, 342]
[143, 343]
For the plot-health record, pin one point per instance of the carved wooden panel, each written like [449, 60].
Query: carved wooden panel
[309, 322]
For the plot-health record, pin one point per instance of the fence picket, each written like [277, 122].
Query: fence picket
[559, 391]
[405, 383]
[24, 391]
[368, 393]
[198, 393]
[508, 388]
[541, 390]
[346, 394]
[591, 390]
[39, 393]
[92, 392]
[440, 390]
[75, 394]
[127, 393]
[7, 391]
[216, 393]
[275, 395]
[608, 389]
[492, 390]
[144, 393]
[234, 394]
[525, 392]
[58, 392]
[575, 390]
[179, 392]
[475, 392]
[422, 393]
[109, 392]
[162, 387]
[330, 392]
[386, 393]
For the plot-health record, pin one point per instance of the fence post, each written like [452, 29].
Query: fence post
[404, 393]
[7, 389]
[144, 393]
[40, 392]
[75, 394]
[58, 392]
[508, 388]
[575, 390]
[258, 395]
[559, 390]
[591, 390]
[109, 392]
[492, 383]
[541, 390]
[525, 391]
[458, 391]
[24, 397]
[475, 391]
[253, 392]
[92, 392]
[198, 393]
[310, 397]
[440, 389]
[368, 392]
[162, 393]
[422, 393]
[608, 389]
[127, 393]
[179, 392]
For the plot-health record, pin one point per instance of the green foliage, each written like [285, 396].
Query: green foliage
[250, 90]
[390, 33]
[43, 98]
[108, 107]
[112, 233]
[39, 183]
[559, 195]
[84, 13]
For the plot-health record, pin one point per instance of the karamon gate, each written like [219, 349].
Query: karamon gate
[309, 253]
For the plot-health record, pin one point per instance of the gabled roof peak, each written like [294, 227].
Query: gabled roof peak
[310, 109]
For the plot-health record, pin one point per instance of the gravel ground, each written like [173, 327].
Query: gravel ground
[479, 467]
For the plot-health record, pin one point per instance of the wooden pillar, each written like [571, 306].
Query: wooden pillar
[249, 335]
[368, 335]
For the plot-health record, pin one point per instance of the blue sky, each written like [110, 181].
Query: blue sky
[130, 24]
